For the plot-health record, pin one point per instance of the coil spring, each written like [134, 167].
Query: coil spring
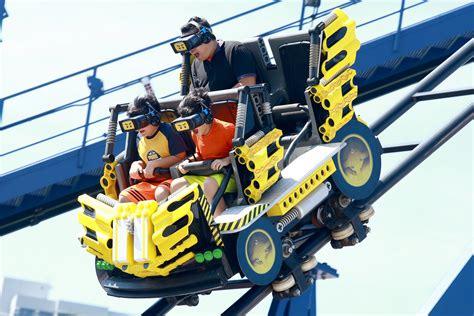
[286, 219]
[106, 200]
[267, 109]
[254, 138]
[331, 18]
[111, 132]
[241, 115]
[314, 55]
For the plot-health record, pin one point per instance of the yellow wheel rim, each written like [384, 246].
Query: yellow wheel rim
[260, 251]
[355, 160]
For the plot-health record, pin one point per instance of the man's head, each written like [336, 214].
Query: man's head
[202, 28]
[146, 112]
[197, 103]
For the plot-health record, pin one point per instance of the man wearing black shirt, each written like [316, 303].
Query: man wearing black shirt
[219, 65]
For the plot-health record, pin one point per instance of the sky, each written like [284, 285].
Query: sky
[422, 229]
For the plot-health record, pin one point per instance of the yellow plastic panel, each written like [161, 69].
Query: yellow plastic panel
[96, 217]
[335, 122]
[260, 163]
[300, 192]
[122, 250]
[176, 242]
[247, 152]
[108, 180]
[144, 250]
[348, 44]
[320, 92]
[259, 185]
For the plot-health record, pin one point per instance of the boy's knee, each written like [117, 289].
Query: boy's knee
[210, 186]
[123, 199]
[161, 194]
[178, 184]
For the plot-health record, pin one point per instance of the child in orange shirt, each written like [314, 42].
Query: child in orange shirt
[213, 141]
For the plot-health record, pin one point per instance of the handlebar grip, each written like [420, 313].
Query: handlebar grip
[161, 171]
[200, 168]
[198, 165]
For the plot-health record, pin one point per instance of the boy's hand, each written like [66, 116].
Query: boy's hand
[180, 167]
[148, 171]
[136, 170]
[218, 164]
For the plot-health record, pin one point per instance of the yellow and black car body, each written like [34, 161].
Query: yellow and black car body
[300, 156]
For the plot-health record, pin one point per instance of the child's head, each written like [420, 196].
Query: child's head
[197, 101]
[143, 105]
[148, 107]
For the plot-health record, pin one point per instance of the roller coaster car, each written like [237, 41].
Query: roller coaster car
[281, 206]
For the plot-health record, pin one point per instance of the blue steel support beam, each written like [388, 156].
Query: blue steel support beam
[421, 47]
[3, 15]
[96, 90]
[420, 35]
[444, 70]
[249, 300]
[422, 151]
[457, 299]
[303, 6]
[303, 305]
[400, 21]
[433, 95]
[23, 181]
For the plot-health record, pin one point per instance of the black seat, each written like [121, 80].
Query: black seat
[295, 63]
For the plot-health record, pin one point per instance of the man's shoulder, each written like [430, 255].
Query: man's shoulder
[231, 45]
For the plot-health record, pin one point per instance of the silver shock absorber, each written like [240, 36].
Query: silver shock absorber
[239, 138]
[254, 138]
[110, 141]
[286, 220]
[314, 57]
[267, 116]
[106, 200]
[316, 39]
[331, 18]
[112, 132]
[266, 108]
[241, 115]
[303, 208]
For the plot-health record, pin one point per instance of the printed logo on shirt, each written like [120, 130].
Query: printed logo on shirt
[152, 155]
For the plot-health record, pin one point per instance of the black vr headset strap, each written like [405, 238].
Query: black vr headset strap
[206, 108]
[153, 116]
[204, 30]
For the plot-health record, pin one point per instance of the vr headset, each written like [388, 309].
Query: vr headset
[138, 122]
[187, 43]
[188, 123]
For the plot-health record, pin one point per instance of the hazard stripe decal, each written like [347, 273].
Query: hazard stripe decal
[245, 220]
[205, 207]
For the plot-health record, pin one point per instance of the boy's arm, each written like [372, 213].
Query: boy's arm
[165, 162]
[136, 169]
[217, 164]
